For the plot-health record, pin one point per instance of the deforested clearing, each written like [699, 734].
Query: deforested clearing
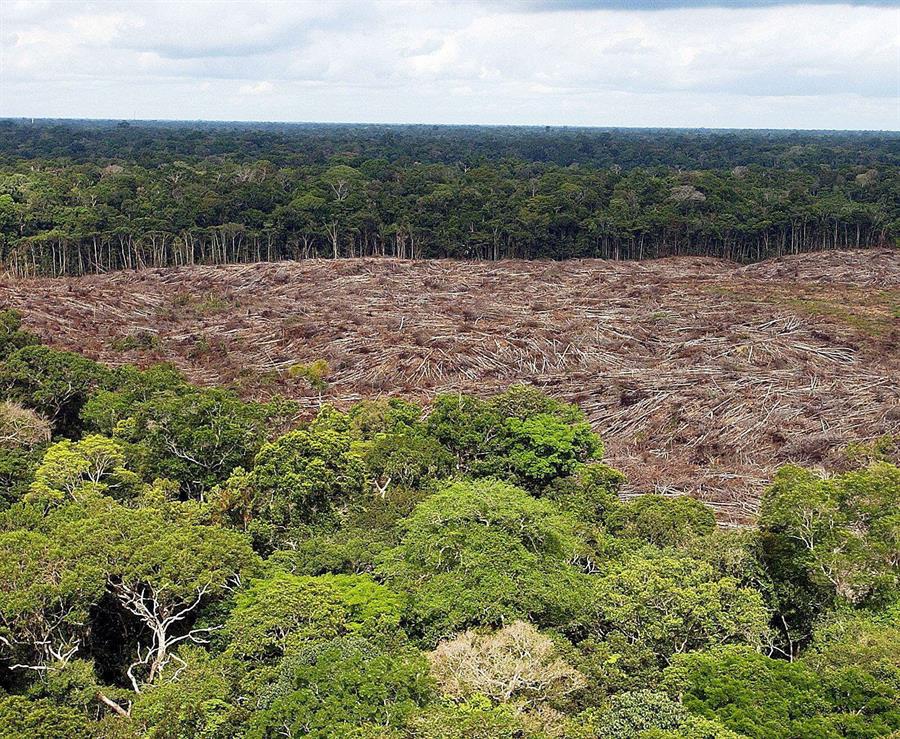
[702, 377]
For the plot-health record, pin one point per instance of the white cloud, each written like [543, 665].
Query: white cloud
[810, 66]
[257, 88]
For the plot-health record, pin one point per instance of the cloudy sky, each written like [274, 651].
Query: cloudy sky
[713, 63]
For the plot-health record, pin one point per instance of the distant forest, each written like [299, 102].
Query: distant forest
[92, 196]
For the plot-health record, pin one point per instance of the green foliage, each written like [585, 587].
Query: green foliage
[206, 194]
[129, 386]
[370, 418]
[300, 478]
[17, 468]
[73, 684]
[305, 473]
[348, 687]
[396, 445]
[315, 373]
[282, 613]
[128, 576]
[407, 458]
[663, 522]
[853, 639]
[24, 435]
[840, 534]
[522, 436]
[45, 598]
[733, 552]
[885, 448]
[140, 340]
[631, 714]
[56, 384]
[480, 553]
[349, 550]
[694, 727]
[671, 604]
[542, 447]
[144, 562]
[647, 714]
[613, 664]
[463, 424]
[155, 563]
[591, 494]
[858, 656]
[69, 468]
[40, 719]
[205, 700]
[12, 336]
[195, 436]
[476, 718]
[365, 532]
[765, 698]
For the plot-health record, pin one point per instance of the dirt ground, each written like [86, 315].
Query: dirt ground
[701, 376]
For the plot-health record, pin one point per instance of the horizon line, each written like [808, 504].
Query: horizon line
[594, 127]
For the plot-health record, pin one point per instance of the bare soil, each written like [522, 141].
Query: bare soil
[701, 376]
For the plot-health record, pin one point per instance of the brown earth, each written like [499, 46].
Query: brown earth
[701, 376]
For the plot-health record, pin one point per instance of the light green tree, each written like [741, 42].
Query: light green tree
[673, 604]
[71, 469]
[301, 477]
[281, 613]
[160, 568]
[844, 531]
[45, 600]
[485, 552]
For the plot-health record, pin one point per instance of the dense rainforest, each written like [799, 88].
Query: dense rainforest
[82, 197]
[178, 562]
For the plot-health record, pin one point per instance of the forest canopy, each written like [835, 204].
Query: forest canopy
[82, 197]
[176, 561]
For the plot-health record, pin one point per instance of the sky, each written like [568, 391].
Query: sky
[691, 63]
